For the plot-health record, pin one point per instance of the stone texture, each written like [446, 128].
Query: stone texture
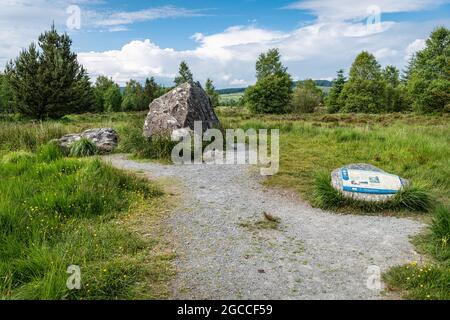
[336, 181]
[178, 109]
[106, 139]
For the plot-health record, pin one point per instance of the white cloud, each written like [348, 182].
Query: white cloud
[331, 10]
[129, 17]
[413, 47]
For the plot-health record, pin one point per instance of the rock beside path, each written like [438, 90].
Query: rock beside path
[178, 109]
[106, 139]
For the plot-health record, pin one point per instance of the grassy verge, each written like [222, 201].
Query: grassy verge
[56, 212]
[429, 280]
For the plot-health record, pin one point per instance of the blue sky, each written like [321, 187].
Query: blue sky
[222, 39]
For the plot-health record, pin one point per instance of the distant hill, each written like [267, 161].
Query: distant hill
[320, 83]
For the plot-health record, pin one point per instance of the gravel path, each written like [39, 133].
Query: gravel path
[224, 251]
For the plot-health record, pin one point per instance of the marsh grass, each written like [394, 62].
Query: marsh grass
[55, 212]
[82, 148]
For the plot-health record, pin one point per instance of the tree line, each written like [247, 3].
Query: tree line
[423, 87]
[47, 81]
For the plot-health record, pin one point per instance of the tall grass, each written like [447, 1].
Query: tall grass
[430, 280]
[410, 198]
[56, 212]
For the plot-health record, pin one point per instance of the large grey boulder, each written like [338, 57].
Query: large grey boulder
[106, 139]
[337, 183]
[178, 109]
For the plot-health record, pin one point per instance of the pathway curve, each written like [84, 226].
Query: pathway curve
[224, 252]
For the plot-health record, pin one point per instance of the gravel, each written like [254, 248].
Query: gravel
[226, 250]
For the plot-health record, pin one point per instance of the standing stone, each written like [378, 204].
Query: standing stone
[178, 109]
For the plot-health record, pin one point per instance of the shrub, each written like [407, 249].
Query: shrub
[307, 97]
[83, 148]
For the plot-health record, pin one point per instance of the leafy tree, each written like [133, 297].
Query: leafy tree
[428, 76]
[332, 100]
[185, 74]
[269, 63]
[108, 94]
[272, 92]
[212, 93]
[50, 83]
[391, 75]
[133, 97]
[307, 97]
[364, 90]
[395, 97]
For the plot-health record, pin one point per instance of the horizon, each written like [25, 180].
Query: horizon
[221, 41]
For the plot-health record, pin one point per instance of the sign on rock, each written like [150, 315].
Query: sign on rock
[367, 181]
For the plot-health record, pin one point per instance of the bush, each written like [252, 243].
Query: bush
[307, 97]
[271, 94]
[83, 148]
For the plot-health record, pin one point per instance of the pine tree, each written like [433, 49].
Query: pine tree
[50, 83]
[212, 93]
[332, 100]
[184, 74]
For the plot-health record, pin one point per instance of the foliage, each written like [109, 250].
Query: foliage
[184, 74]
[109, 97]
[6, 95]
[133, 97]
[83, 148]
[364, 90]
[332, 100]
[212, 93]
[51, 82]
[272, 92]
[428, 74]
[307, 97]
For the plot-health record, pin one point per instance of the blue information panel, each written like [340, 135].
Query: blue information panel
[373, 182]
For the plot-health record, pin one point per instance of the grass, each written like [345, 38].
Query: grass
[429, 280]
[56, 212]
[326, 196]
[416, 147]
[83, 148]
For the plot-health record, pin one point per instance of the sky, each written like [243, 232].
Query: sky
[221, 40]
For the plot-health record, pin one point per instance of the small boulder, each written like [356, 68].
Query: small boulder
[179, 109]
[366, 182]
[106, 139]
